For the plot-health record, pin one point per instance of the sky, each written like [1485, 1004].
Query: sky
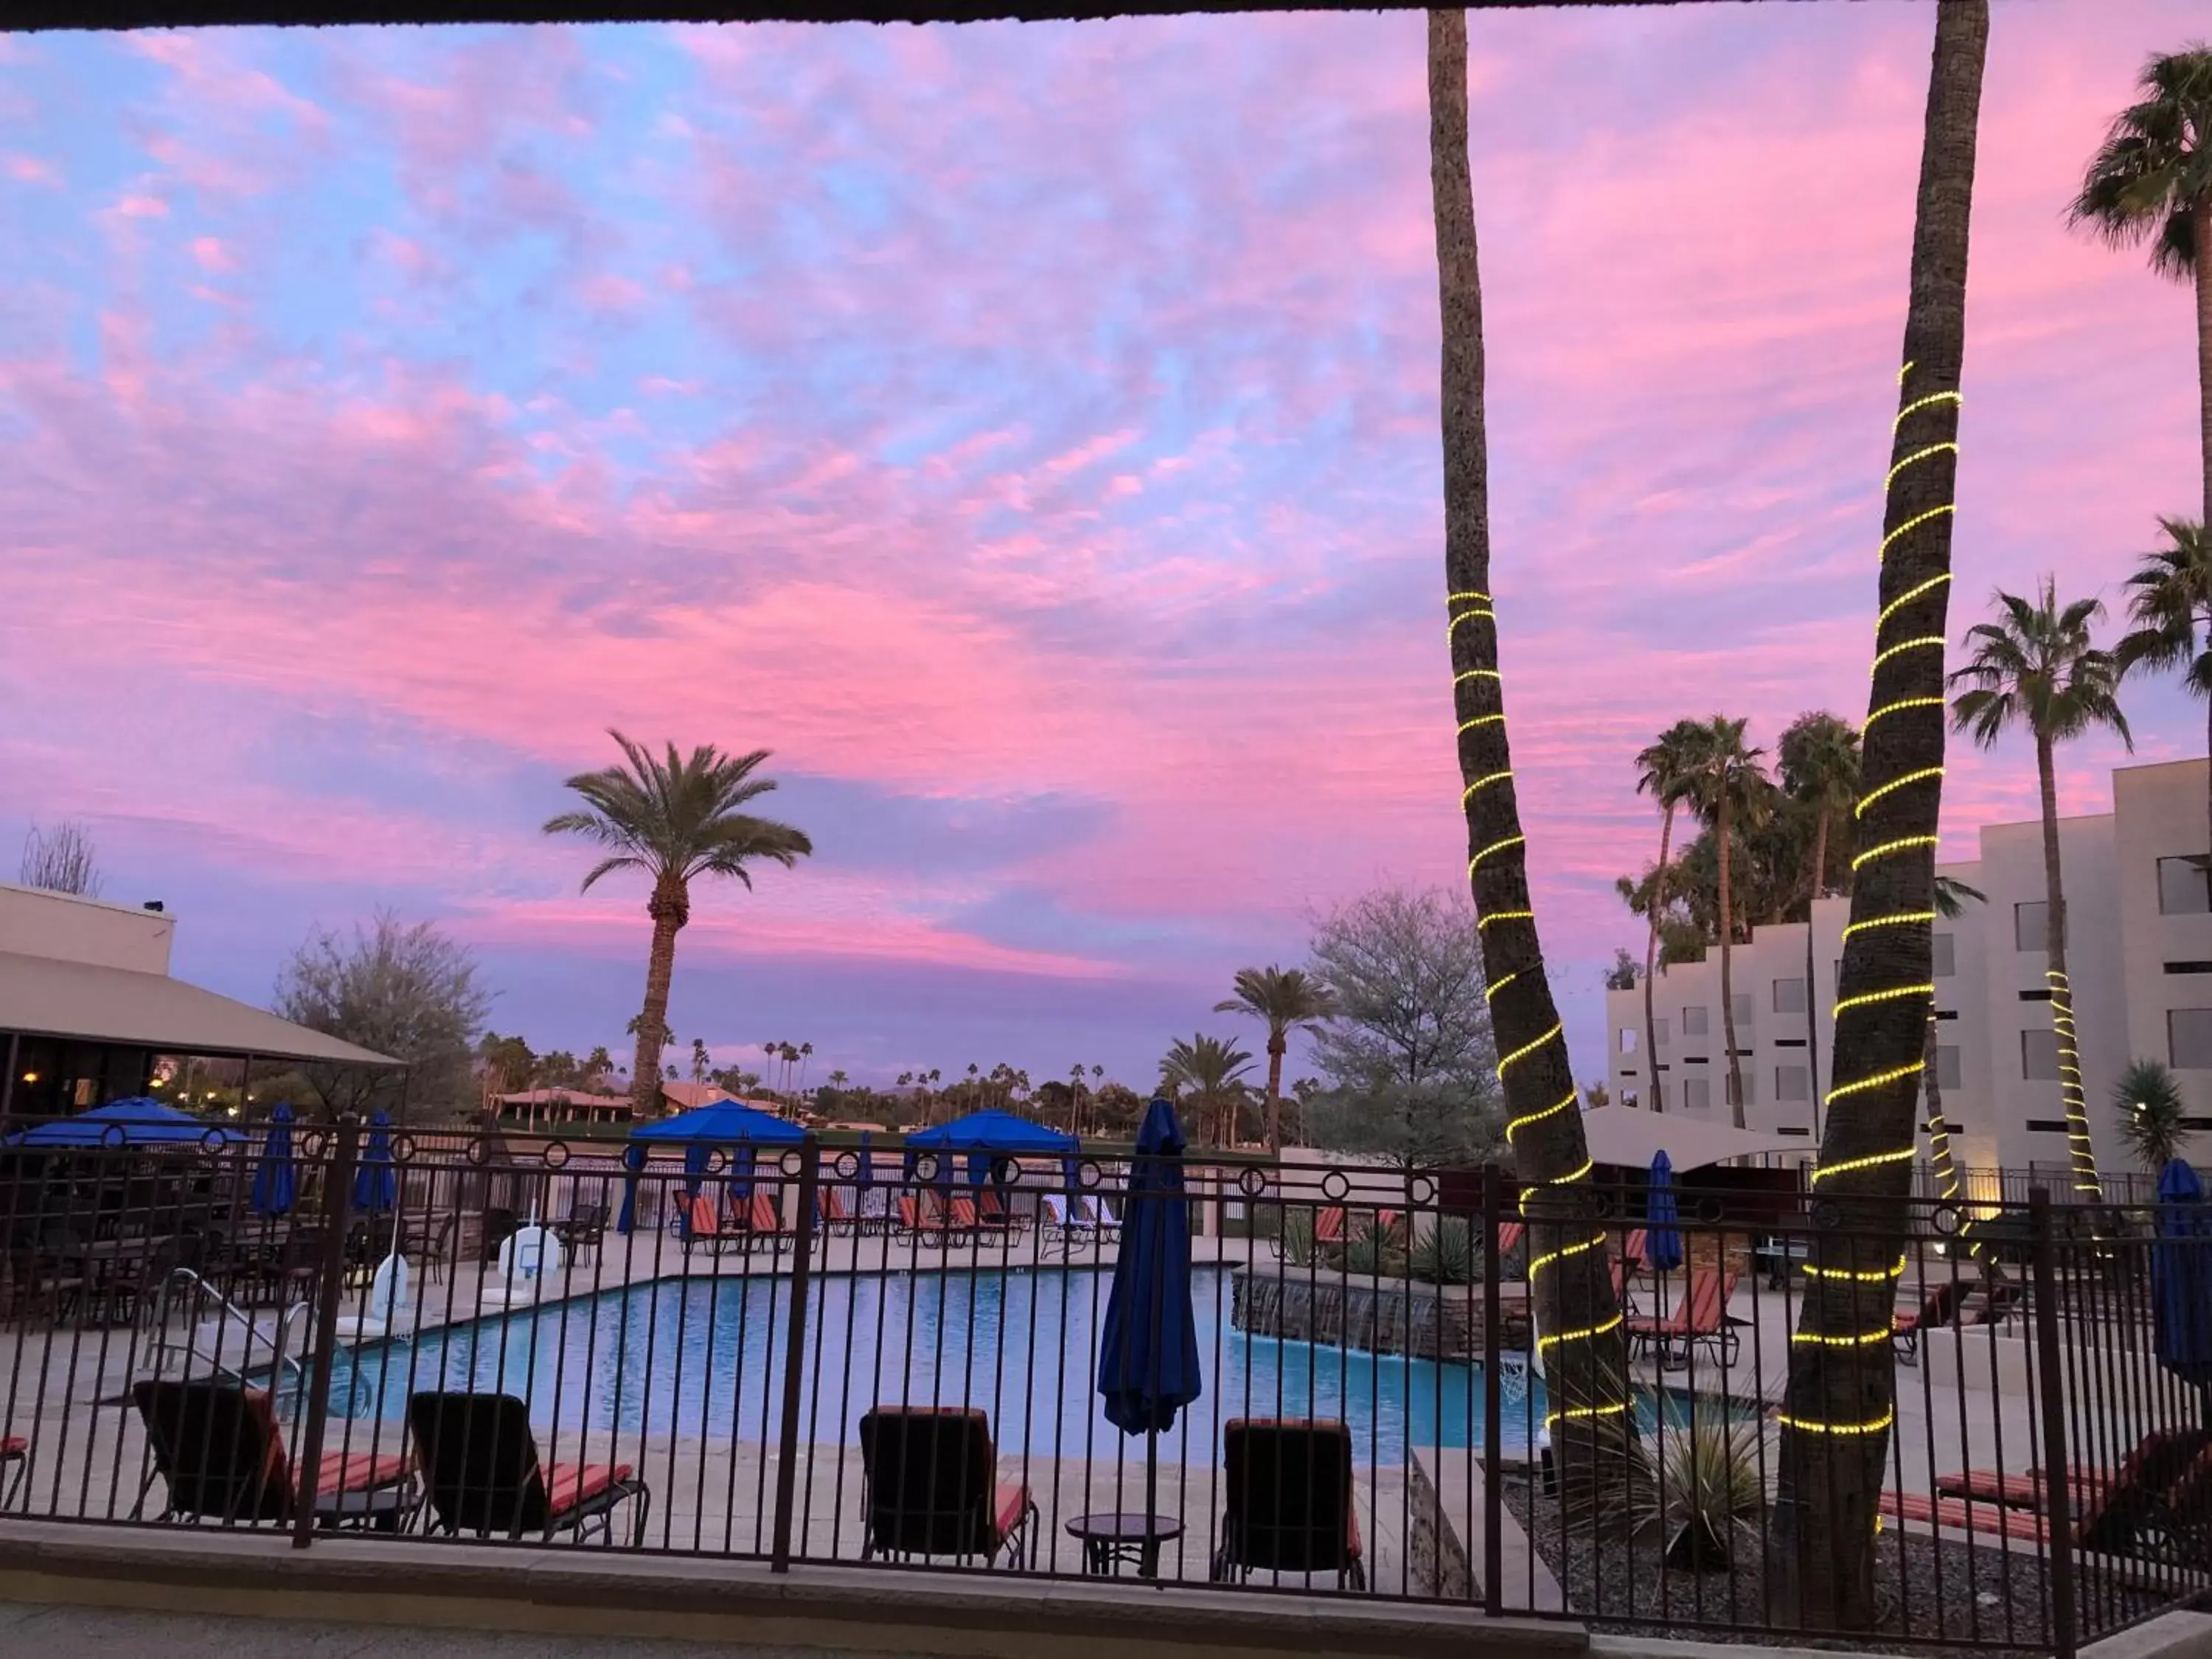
[1029, 433]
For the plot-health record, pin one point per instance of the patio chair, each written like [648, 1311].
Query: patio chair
[833, 1210]
[1095, 1215]
[218, 1448]
[482, 1474]
[1940, 1309]
[704, 1214]
[1700, 1317]
[437, 1252]
[583, 1232]
[1634, 1248]
[758, 1223]
[931, 1486]
[994, 1217]
[2133, 1513]
[2023, 1492]
[15, 1455]
[1964, 1515]
[2188, 1520]
[1510, 1234]
[1288, 1505]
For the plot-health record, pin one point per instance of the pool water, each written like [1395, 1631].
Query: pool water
[705, 1356]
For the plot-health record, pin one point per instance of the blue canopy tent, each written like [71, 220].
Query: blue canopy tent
[375, 1183]
[986, 1136]
[1662, 1237]
[1148, 1360]
[2181, 1275]
[276, 1178]
[727, 1123]
[141, 1121]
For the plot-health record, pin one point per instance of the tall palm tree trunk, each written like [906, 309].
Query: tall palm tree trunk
[1580, 1341]
[2081, 1152]
[1812, 1004]
[670, 910]
[1651, 957]
[1840, 1402]
[1728, 980]
[1276, 1045]
[2202, 227]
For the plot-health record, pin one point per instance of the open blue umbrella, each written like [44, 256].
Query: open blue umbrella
[1148, 1349]
[277, 1178]
[141, 1121]
[376, 1184]
[2181, 1275]
[1662, 1239]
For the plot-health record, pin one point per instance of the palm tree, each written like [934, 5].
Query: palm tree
[2151, 181]
[2172, 601]
[2036, 666]
[1212, 1071]
[806, 1054]
[1819, 757]
[1284, 999]
[1663, 772]
[677, 819]
[1585, 1358]
[2154, 1117]
[1840, 1399]
[701, 1065]
[1730, 793]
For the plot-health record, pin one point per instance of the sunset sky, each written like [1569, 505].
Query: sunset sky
[1030, 434]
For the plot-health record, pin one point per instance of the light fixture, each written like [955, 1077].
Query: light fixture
[30, 1077]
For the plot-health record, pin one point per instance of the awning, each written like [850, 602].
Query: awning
[1621, 1135]
[40, 996]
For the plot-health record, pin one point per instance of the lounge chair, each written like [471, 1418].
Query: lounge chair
[1288, 1504]
[1634, 1248]
[482, 1474]
[16, 1454]
[1509, 1235]
[2024, 1491]
[928, 1218]
[993, 1215]
[931, 1487]
[703, 1214]
[1099, 1218]
[758, 1223]
[2136, 1509]
[1964, 1514]
[833, 1210]
[219, 1449]
[1940, 1309]
[1701, 1317]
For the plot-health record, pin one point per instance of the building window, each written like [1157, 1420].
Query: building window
[1658, 1033]
[1750, 1088]
[1788, 996]
[2047, 1125]
[1790, 1084]
[2189, 1038]
[1946, 956]
[1947, 1066]
[1694, 1022]
[2031, 926]
[1628, 1039]
[2183, 888]
[1697, 1095]
[2039, 1055]
[1743, 1008]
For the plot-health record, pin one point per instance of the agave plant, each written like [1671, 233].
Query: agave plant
[2153, 1115]
[1710, 1487]
[1297, 1237]
[1443, 1252]
[1373, 1248]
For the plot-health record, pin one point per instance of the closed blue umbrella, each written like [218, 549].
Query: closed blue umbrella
[1148, 1349]
[2181, 1275]
[866, 1176]
[633, 1159]
[277, 1178]
[375, 1185]
[1662, 1239]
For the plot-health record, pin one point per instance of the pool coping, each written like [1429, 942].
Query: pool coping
[572, 1592]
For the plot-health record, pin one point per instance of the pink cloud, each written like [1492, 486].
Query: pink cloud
[213, 255]
[31, 170]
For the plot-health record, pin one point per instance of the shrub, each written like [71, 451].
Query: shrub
[1297, 1237]
[1710, 1486]
[1372, 1249]
[1443, 1252]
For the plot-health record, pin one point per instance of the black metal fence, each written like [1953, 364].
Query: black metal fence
[799, 1355]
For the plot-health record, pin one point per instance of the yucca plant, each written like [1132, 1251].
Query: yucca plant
[1297, 1237]
[1443, 1252]
[2154, 1117]
[1709, 1488]
[1372, 1249]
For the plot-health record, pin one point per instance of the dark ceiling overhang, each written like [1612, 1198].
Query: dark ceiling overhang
[184, 14]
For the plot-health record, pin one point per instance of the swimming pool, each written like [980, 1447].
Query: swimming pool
[705, 1356]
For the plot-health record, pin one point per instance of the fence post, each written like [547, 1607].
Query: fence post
[794, 1354]
[2050, 1396]
[1493, 1403]
[338, 1200]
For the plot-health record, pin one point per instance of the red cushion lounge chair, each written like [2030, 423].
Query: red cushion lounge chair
[1633, 1246]
[1288, 1504]
[705, 1216]
[1509, 1235]
[2132, 1511]
[1963, 1515]
[218, 1448]
[931, 1487]
[480, 1465]
[758, 1223]
[2021, 1491]
[16, 1456]
[1700, 1316]
[1329, 1225]
[1940, 1308]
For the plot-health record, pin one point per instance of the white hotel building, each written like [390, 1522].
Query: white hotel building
[2139, 945]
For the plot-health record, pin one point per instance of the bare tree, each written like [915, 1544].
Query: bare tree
[61, 859]
[409, 992]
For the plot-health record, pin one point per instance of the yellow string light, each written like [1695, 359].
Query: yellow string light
[1493, 849]
[1896, 920]
[1867, 998]
[1563, 1252]
[1907, 597]
[1858, 1275]
[1914, 523]
[1868, 1161]
[1919, 404]
[1465, 727]
[1878, 1080]
[1903, 646]
[1467, 594]
[1519, 1123]
[1585, 1335]
[1904, 781]
[1528, 1048]
[1898, 707]
[1504, 915]
[1465, 674]
[1863, 1339]
[1452, 627]
[1902, 844]
[1618, 1410]
[1491, 989]
[1467, 793]
[1872, 1425]
[1913, 459]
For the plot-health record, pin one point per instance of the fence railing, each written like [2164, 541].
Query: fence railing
[794, 1355]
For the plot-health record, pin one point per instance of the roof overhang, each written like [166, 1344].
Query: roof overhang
[181, 14]
[1629, 1139]
[42, 997]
